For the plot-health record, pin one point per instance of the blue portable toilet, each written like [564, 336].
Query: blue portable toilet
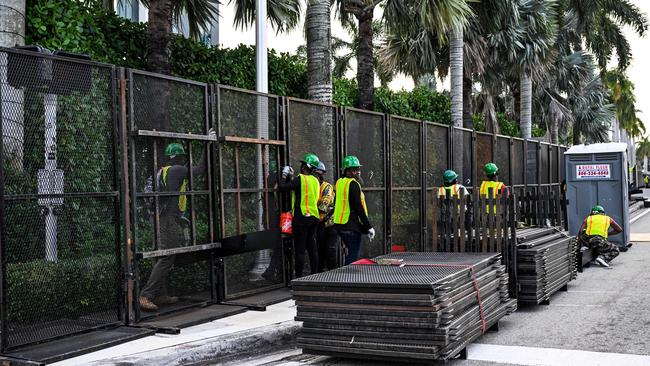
[597, 174]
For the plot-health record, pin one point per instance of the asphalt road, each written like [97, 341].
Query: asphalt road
[605, 312]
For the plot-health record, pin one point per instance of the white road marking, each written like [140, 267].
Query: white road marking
[551, 356]
[645, 212]
[576, 305]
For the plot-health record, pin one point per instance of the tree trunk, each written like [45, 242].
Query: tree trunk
[467, 103]
[555, 132]
[645, 163]
[526, 89]
[159, 36]
[365, 61]
[12, 33]
[319, 53]
[491, 122]
[456, 75]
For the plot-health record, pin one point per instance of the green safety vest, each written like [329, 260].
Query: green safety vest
[342, 202]
[182, 199]
[309, 196]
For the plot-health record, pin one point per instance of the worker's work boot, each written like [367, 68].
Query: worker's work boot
[166, 300]
[601, 261]
[147, 305]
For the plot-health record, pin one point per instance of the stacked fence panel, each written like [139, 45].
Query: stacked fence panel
[60, 217]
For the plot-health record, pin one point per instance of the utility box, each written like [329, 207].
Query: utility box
[597, 174]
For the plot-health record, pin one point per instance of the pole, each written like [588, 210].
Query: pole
[261, 57]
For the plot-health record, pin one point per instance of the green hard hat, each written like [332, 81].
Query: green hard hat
[449, 175]
[174, 149]
[311, 160]
[351, 161]
[491, 169]
[597, 209]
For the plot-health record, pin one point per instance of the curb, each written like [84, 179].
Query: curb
[223, 348]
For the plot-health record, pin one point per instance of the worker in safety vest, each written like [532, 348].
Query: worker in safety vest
[646, 181]
[594, 232]
[305, 193]
[327, 239]
[492, 183]
[350, 210]
[174, 224]
[450, 187]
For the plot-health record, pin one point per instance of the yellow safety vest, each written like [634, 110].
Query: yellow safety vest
[598, 225]
[182, 199]
[487, 184]
[326, 198]
[455, 191]
[496, 191]
[342, 201]
[309, 196]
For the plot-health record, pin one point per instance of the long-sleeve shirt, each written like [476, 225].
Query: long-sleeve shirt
[176, 175]
[293, 184]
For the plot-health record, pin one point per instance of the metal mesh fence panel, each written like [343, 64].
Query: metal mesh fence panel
[484, 151]
[171, 183]
[554, 164]
[406, 183]
[365, 138]
[249, 184]
[312, 129]
[518, 158]
[531, 162]
[437, 147]
[502, 159]
[562, 166]
[462, 157]
[60, 225]
[544, 164]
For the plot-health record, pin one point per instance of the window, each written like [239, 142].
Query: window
[124, 8]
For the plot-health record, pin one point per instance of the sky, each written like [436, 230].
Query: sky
[637, 72]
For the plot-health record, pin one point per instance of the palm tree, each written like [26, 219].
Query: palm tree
[600, 24]
[643, 151]
[622, 95]
[319, 50]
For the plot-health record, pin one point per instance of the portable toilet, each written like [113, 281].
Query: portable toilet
[597, 174]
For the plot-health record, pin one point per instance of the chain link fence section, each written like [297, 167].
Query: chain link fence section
[406, 184]
[484, 154]
[365, 138]
[463, 156]
[312, 129]
[437, 161]
[171, 184]
[60, 239]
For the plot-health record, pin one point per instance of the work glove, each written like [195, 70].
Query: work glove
[213, 134]
[287, 171]
[371, 233]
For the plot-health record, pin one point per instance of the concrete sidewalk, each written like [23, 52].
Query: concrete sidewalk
[246, 334]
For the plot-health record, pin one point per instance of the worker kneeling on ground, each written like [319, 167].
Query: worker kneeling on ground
[327, 239]
[350, 210]
[594, 232]
[305, 193]
[172, 177]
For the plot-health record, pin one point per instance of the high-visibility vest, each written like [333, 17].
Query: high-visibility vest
[182, 199]
[496, 191]
[598, 225]
[487, 184]
[326, 198]
[455, 191]
[309, 196]
[342, 201]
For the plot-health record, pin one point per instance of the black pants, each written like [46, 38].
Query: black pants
[327, 241]
[304, 238]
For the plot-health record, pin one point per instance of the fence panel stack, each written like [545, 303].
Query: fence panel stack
[429, 307]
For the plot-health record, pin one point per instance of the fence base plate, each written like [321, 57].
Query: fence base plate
[259, 302]
[72, 346]
[173, 323]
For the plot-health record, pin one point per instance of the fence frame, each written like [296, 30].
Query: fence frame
[115, 193]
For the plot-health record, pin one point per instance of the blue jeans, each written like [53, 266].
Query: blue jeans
[352, 240]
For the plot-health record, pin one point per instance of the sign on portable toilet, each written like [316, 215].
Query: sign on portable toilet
[597, 175]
